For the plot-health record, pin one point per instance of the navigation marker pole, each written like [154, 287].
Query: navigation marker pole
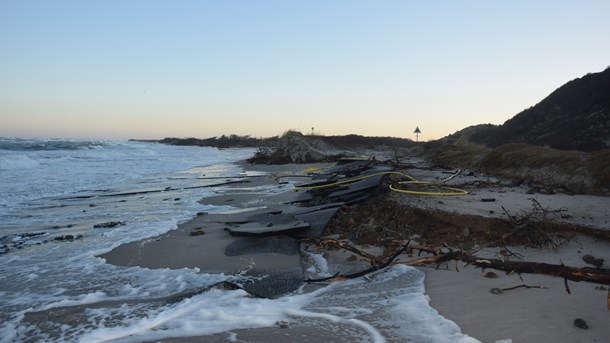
[417, 132]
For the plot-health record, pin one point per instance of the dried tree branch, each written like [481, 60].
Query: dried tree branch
[595, 275]
[601, 276]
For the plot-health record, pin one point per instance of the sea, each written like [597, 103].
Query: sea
[64, 202]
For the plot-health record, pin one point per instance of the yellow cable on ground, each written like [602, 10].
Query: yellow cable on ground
[454, 191]
[412, 180]
[310, 170]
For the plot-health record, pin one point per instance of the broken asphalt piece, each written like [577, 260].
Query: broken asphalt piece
[148, 191]
[108, 225]
[68, 237]
[348, 167]
[258, 229]
[318, 220]
[357, 186]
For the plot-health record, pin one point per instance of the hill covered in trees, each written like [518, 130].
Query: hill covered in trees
[576, 116]
[230, 141]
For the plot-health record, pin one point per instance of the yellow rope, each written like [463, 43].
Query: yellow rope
[412, 181]
[454, 191]
[311, 170]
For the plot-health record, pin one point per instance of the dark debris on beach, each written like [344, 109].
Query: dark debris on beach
[349, 200]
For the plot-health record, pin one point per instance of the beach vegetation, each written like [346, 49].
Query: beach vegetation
[568, 171]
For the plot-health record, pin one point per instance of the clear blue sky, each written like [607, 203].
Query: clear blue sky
[152, 69]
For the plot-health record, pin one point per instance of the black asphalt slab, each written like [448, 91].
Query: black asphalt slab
[263, 218]
[357, 186]
[348, 167]
[318, 220]
[256, 229]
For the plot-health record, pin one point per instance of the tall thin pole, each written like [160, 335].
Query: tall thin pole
[417, 132]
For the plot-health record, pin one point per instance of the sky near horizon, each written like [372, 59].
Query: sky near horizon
[119, 69]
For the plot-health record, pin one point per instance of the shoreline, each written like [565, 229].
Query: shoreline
[540, 315]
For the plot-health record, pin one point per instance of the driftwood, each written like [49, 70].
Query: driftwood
[374, 262]
[595, 275]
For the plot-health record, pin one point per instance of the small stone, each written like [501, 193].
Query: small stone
[197, 232]
[92, 205]
[490, 275]
[496, 291]
[282, 324]
[590, 259]
[581, 323]
[270, 224]
[352, 258]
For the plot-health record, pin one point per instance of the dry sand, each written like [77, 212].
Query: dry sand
[523, 314]
[587, 210]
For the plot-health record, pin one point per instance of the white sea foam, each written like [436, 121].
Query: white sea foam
[94, 301]
[317, 264]
[82, 299]
[391, 307]
[20, 161]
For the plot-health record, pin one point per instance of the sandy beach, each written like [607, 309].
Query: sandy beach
[462, 293]
[524, 314]
[541, 312]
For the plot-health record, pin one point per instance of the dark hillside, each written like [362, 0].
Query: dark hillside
[231, 141]
[576, 116]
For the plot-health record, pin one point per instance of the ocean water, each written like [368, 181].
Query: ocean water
[53, 288]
